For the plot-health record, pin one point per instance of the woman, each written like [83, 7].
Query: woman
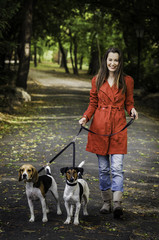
[111, 93]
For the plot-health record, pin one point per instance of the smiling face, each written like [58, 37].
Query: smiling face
[112, 61]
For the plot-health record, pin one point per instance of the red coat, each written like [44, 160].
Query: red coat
[108, 106]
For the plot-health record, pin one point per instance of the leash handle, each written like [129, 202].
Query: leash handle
[134, 116]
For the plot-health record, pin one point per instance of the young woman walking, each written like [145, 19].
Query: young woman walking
[111, 94]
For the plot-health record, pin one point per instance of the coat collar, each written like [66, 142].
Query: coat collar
[115, 89]
[105, 88]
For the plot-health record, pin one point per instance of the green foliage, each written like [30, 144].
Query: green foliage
[151, 70]
[83, 28]
[8, 10]
[8, 37]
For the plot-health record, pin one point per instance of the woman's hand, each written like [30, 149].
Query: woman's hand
[83, 121]
[134, 114]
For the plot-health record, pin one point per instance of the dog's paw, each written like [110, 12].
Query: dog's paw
[44, 220]
[67, 221]
[76, 222]
[85, 213]
[59, 212]
[31, 219]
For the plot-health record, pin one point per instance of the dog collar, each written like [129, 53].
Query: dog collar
[71, 184]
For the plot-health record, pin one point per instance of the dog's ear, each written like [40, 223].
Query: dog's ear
[63, 170]
[35, 175]
[19, 175]
[81, 170]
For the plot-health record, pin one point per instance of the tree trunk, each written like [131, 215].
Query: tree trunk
[2, 61]
[62, 64]
[94, 62]
[74, 61]
[63, 55]
[15, 57]
[75, 57]
[59, 57]
[10, 59]
[71, 55]
[81, 62]
[94, 58]
[24, 58]
[35, 55]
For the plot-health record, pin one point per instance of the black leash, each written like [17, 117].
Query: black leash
[112, 134]
[58, 154]
[73, 142]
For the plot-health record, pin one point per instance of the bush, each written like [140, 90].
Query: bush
[131, 70]
[151, 81]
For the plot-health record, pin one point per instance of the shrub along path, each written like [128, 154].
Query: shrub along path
[39, 131]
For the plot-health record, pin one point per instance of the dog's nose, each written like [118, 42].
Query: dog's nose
[24, 176]
[71, 179]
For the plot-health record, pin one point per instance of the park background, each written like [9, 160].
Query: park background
[75, 36]
[49, 51]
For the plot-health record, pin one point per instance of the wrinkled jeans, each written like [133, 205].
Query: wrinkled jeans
[111, 180]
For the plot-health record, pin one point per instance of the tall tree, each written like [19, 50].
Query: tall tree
[24, 56]
[64, 60]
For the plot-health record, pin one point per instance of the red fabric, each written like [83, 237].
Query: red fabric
[108, 106]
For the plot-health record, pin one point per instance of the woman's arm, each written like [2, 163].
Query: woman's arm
[93, 104]
[129, 102]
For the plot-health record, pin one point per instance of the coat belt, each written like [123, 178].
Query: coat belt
[110, 108]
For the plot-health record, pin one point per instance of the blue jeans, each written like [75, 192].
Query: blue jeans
[113, 180]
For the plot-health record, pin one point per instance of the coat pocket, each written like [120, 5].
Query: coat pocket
[99, 124]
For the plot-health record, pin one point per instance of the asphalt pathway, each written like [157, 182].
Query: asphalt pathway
[38, 132]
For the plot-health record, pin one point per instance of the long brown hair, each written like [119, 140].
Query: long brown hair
[104, 72]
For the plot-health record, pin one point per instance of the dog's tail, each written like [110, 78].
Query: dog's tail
[81, 164]
[48, 170]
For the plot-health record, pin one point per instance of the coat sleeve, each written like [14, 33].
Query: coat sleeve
[93, 103]
[129, 101]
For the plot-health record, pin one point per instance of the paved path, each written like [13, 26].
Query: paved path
[48, 80]
[50, 123]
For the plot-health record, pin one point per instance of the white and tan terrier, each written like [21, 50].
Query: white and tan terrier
[76, 190]
[37, 187]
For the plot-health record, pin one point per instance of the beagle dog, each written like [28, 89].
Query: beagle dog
[76, 190]
[37, 187]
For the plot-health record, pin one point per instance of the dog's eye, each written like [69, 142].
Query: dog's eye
[29, 170]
